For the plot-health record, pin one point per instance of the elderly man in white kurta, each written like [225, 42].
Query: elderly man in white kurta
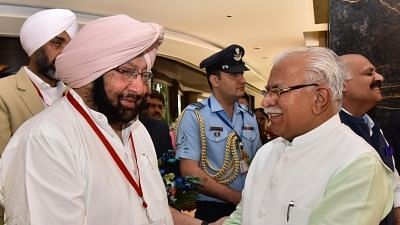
[87, 160]
[318, 171]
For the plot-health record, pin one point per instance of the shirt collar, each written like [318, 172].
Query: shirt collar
[317, 133]
[50, 94]
[367, 119]
[215, 106]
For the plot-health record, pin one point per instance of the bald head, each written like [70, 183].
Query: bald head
[362, 85]
[349, 60]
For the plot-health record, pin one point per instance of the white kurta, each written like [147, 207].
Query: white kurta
[329, 175]
[55, 170]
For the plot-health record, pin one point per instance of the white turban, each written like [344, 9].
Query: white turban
[43, 26]
[104, 44]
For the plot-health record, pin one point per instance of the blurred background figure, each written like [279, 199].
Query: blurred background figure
[152, 119]
[155, 106]
[262, 121]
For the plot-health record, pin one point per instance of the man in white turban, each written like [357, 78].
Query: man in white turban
[87, 159]
[36, 86]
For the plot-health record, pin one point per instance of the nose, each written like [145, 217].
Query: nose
[268, 100]
[242, 79]
[138, 86]
[158, 109]
[378, 76]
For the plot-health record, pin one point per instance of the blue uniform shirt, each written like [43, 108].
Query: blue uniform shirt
[188, 136]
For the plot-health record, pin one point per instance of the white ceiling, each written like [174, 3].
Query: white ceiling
[196, 29]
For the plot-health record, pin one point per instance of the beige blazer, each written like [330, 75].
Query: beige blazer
[19, 101]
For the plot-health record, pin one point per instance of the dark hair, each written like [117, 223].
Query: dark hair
[261, 110]
[157, 95]
[216, 73]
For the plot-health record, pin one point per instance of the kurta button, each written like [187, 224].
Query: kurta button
[261, 213]
[271, 185]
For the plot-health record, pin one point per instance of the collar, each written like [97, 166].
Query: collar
[50, 94]
[367, 119]
[215, 106]
[317, 133]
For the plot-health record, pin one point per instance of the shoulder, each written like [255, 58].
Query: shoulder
[195, 106]
[7, 81]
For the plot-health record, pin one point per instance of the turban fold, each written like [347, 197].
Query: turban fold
[104, 44]
[43, 26]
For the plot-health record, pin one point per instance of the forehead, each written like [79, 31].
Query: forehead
[259, 114]
[155, 101]
[357, 64]
[289, 70]
[137, 63]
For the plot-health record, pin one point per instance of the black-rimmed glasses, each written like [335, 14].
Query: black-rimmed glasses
[131, 75]
[275, 91]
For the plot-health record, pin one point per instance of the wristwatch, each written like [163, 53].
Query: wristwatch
[204, 223]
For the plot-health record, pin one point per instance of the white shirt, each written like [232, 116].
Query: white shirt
[49, 94]
[331, 175]
[55, 170]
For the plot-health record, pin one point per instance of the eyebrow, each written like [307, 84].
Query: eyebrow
[59, 38]
[272, 86]
[369, 70]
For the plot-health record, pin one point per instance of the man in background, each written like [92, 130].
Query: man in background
[217, 138]
[152, 119]
[317, 171]
[43, 36]
[155, 106]
[360, 94]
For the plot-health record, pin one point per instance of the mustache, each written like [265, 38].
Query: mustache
[272, 110]
[132, 95]
[376, 84]
[157, 113]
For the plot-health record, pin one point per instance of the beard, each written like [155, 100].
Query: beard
[113, 110]
[45, 67]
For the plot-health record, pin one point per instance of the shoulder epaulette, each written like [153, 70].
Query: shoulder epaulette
[195, 105]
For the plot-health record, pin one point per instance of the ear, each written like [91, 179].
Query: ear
[322, 100]
[345, 86]
[213, 80]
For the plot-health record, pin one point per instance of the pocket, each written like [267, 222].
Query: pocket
[216, 136]
[249, 135]
[299, 216]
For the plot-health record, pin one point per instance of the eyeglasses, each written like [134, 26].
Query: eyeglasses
[131, 75]
[279, 91]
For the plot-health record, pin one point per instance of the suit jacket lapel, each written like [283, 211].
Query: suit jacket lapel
[358, 125]
[28, 92]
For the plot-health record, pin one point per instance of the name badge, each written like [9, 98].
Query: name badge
[216, 129]
[248, 128]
